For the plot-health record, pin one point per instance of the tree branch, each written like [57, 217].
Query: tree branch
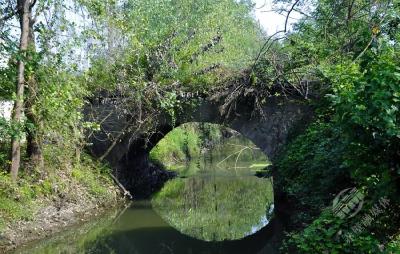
[288, 14]
[262, 50]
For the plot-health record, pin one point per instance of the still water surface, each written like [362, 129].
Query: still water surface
[216, 205]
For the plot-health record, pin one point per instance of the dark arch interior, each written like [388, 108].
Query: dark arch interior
[136, 172]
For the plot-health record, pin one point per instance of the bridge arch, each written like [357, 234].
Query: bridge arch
[268, 130]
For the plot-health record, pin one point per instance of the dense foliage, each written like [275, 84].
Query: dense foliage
[185, 42]
[352, 48]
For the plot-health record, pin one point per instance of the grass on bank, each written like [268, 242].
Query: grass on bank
[62, 180]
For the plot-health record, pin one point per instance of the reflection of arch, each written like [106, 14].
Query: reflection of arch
[269, 132]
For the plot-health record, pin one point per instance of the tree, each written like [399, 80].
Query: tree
[24, 10]
[33, 149]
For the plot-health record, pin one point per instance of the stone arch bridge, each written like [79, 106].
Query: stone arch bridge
[128, 151]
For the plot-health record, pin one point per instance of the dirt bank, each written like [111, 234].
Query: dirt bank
[53, 217]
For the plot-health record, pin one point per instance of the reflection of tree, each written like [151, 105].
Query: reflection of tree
[214, 208]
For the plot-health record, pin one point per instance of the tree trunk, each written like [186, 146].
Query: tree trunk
[24, 13]
[34, 144]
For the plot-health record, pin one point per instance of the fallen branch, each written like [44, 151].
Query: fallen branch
[124, 191]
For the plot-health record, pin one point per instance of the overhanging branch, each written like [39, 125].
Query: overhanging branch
[8, 16]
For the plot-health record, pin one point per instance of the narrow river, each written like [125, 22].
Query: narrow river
[215, 205]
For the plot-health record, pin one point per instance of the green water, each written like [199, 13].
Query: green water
[216, 205]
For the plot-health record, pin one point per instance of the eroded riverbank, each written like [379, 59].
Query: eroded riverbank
[51, 220]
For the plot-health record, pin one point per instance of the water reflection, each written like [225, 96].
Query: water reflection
[220, 199]
[215, 208]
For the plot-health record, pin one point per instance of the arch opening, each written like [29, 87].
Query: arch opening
[143, 174]
[191, 141]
